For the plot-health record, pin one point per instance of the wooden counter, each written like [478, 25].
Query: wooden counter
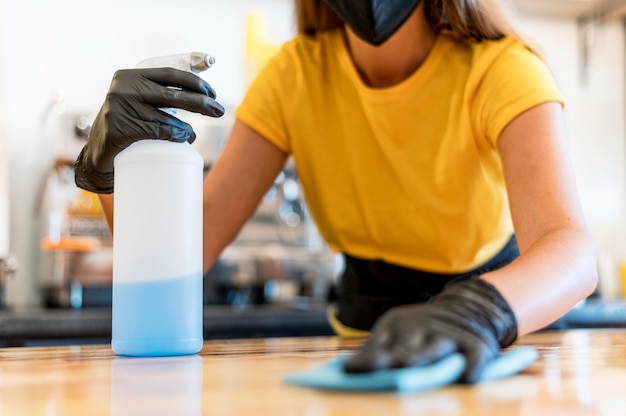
[580, 372]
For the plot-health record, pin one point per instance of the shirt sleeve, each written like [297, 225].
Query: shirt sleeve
[264, 104]
[517, 80]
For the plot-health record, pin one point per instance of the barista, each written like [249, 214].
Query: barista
[430, 144]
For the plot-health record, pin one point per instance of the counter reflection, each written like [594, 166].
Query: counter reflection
[156, 386]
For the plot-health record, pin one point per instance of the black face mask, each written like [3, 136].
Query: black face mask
[374, 21]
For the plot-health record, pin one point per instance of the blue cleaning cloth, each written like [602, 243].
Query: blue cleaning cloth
[330, 376]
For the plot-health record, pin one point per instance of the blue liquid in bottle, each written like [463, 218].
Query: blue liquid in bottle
[158, 317]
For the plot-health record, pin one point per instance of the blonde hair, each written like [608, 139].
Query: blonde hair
[471, 20]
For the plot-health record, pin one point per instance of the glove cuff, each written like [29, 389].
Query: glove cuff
[483, 301]
[89, 179]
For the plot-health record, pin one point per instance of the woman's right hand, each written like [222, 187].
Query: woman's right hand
[131, 113]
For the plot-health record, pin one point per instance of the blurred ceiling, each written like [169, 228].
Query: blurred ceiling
[563, 8]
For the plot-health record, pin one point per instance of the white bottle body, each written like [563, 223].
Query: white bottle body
[157, 250]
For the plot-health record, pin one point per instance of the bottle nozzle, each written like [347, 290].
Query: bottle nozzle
[200, 61]
[194, 61]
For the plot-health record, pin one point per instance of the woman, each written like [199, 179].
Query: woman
[430, 145]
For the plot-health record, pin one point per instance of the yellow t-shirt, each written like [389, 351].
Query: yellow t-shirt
[408, 174]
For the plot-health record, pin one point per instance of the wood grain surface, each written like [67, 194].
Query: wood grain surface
[580, 372]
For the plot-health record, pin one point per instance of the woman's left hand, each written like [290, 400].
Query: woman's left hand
[468, 316]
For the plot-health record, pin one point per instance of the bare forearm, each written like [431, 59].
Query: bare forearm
[548, 278]
[223, 219]
[106, 201]
[557, 265]
[244, 172]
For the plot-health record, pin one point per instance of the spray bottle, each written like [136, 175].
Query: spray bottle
[157, 241]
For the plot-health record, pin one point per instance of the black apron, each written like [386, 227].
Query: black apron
[368, 288]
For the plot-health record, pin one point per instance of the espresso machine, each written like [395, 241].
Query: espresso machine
[277, 258]
[75, 242]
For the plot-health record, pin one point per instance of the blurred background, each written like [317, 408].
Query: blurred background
[58, 57]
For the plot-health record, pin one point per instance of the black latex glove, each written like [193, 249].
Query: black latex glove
[468, 316]
[131, 113]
